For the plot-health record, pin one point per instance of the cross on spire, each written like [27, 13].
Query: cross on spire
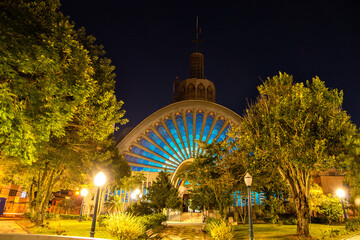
[198, 32]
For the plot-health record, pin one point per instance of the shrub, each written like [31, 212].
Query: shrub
[101, 220]
[68, 216]
[220, 230]
[27, 215]
[352, 224]
[140, 209]
[124, 226]
[153, 220]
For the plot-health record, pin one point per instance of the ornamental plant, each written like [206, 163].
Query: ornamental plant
[220, 230]
[125, 226]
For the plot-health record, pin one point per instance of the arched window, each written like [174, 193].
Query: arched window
[182, 92]
[191, 90]
[209, 93]
[201, 91]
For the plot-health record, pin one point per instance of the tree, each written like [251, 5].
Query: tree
[58, 106]
[162, 194]
[214, 175]
[297, 130]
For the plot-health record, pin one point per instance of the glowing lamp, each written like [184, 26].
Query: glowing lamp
[340, 193]
[100, 179]
[84, 192]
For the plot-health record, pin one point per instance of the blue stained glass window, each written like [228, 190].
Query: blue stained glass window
[219, 123]
[180, 123]
[139, 169]
[223, 134]
[149, 155]
[142, 161]
[190, 127]
[165, 135]
[155, 138]
[153, 148]
[199, 120]
[174, 133]
[208, 123]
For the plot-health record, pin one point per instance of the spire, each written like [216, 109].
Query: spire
[197, 58]
[197, 33]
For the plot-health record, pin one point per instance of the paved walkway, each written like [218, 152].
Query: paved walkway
[184, 231]
[356, 237]
[10, 226]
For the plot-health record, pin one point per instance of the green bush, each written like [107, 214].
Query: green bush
[153, 220]
[140, 208]
[219, 230]
[352, 224]
[124, 226]
[27, 215]
[68, 216]
[101, 220]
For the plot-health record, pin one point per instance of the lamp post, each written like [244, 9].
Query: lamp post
[248, 181]
[341, 194]
[99, 181]
[83, 193]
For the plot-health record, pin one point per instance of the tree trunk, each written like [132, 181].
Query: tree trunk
[303, 214]
[298, 181]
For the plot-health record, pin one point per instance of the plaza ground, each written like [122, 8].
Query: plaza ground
[189, 231]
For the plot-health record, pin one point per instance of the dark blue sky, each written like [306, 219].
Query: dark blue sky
[244, 41]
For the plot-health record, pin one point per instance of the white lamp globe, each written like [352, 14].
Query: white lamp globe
[340, 193]
[84, 192]
[100, 179]
[248, 180]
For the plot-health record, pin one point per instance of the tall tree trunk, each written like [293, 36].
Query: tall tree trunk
[298, 181]
[303, 213]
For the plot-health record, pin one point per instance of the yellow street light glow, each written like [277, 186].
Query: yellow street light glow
[84, 192]
[100, 179]
[357, 201]
[135, 193]
[340, 193]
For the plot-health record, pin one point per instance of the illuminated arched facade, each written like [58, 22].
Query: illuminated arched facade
[170, 136]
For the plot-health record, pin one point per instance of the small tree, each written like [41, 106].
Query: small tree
[114, 204]
[162, 194]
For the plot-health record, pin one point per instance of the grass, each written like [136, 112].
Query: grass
[67, 227]
[261, 231]
[270, 231]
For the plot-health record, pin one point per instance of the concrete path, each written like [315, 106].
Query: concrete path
[10, 226]
[184, 231]
[355, 237]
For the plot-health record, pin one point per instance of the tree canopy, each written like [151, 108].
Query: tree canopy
[52, 78]
[296, 129]
[162, 194]
[58, 106]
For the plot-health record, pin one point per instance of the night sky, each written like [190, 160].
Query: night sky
[243, 42]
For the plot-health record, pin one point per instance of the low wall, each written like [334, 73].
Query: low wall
[12, 236]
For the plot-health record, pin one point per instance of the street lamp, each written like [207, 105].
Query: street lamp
[341, 195]
[83, 193]
[99, 181]
[135, 194]
[248, 181]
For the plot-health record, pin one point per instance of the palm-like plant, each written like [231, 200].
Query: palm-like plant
[114, 204]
